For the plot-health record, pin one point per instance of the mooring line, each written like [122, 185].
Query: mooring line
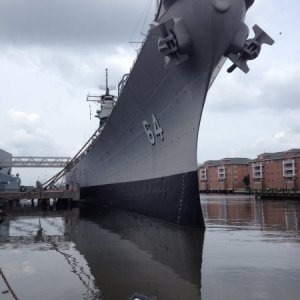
[8, 285]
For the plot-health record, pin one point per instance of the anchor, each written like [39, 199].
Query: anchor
[251, 49]
[174, 42]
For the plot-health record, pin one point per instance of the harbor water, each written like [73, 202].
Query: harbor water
[249, 250]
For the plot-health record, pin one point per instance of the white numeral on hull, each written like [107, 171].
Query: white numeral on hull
[158, 131]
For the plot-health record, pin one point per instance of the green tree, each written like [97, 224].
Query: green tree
[246, 180]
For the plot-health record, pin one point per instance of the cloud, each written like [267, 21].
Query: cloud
[279, 135]
[76, 23]
[83, 69]
[272, 83]
[279, 141]
[274, 89]
[233, 133]
[25, 142]
[27, 135]
[292, 121]
[24, 127]
[21, 136]
[22, 117]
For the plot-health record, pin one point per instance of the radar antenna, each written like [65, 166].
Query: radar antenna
[107, 88]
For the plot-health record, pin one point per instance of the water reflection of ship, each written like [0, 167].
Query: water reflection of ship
[130, 253]
[268, 214]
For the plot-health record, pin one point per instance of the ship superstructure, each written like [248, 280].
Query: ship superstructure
[105, 102]
[8, 182]
[144, 159]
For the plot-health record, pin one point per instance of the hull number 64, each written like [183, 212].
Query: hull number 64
[158, 131]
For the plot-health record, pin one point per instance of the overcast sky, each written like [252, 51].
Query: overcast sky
[52, 53]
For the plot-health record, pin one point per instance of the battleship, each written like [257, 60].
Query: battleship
[143, 156]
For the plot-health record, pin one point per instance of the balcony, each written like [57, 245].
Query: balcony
[221, 173]
[289, 168]
[257, 170]
[203, 174]
[289, 179]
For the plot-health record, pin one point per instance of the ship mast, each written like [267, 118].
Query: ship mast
[106, 82]
[106, 102]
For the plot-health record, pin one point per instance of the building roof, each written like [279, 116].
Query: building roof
[226, 161]
[244, 161]
[279, 155]
[237, 160]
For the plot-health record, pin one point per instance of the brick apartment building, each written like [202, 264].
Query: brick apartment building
[278, 170]
[271, 171]
[223, 175]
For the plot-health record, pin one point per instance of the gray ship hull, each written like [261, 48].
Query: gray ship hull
[124, 168]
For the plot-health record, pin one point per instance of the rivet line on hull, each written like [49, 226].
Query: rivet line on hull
[181, 199]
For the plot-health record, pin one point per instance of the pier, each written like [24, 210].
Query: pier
[73, 195]
[279, 195]
[259, 194]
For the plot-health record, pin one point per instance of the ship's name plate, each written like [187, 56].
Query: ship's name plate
[152, 134]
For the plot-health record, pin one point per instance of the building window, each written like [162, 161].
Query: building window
[257, 170]
[203, 174]
[289, 168]
[221, 173]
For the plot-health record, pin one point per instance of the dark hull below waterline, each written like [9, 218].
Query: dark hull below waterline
[174, 199]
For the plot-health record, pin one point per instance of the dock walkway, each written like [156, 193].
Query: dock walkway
[40, 194]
